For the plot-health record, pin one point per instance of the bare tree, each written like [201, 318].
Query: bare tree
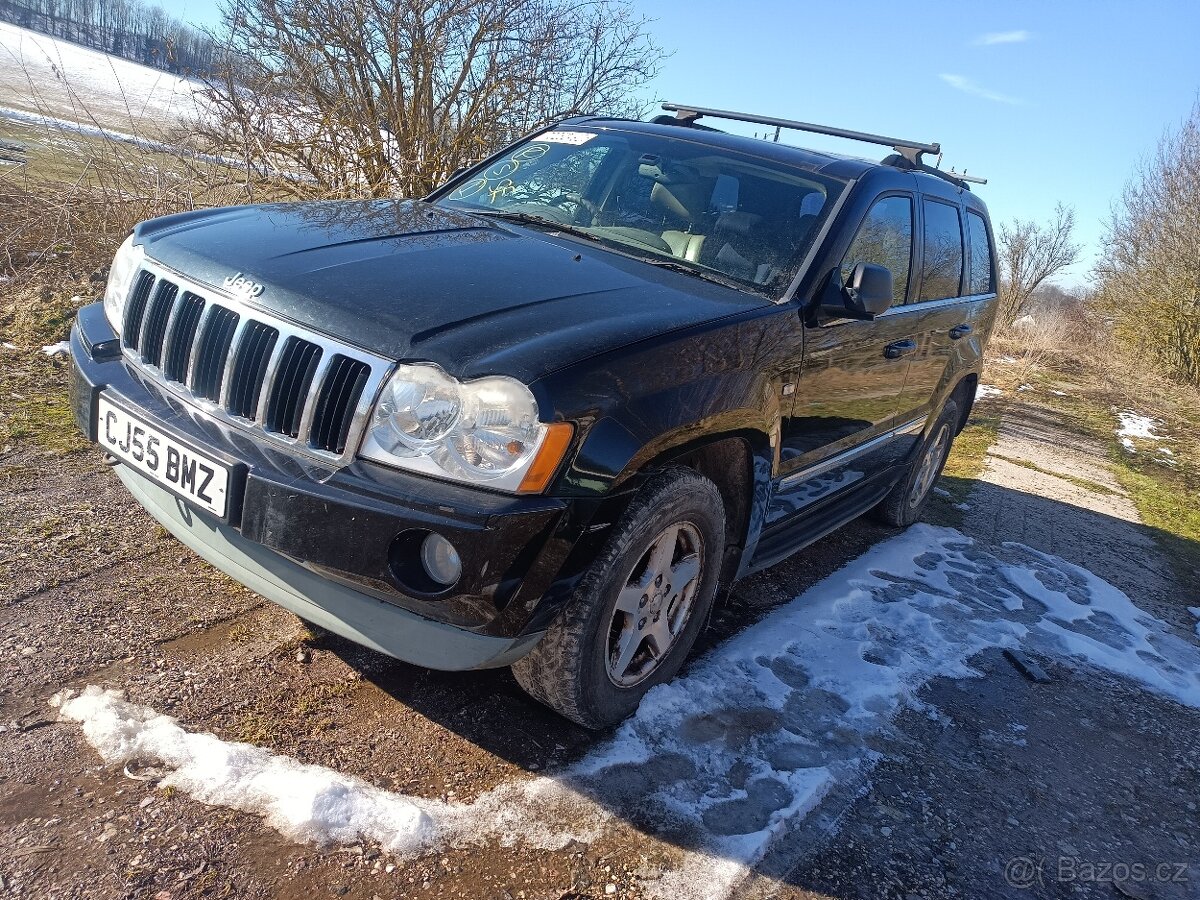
[1030, 253]
[1149, 276]
[388, 97]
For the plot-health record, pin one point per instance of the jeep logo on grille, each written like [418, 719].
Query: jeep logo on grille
[240, 284]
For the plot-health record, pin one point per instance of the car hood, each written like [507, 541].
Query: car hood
[413, 281]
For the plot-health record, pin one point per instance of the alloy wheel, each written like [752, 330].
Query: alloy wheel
[654, 606]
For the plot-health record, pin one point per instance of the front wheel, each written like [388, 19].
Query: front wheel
[637, 612]
[907, 500]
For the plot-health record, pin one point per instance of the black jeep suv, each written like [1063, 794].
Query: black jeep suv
[537, 418]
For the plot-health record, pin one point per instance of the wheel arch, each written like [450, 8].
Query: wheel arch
[735, 462]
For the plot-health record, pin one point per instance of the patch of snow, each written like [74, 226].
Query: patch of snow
[1059, 393]
[963, 506]
[942, 492]
[1025, 321]
[1135, 425]
[984, 391]
[1195, 611]
[314, 804]
[9, 345]
[1025, 387]
[1128, 444]
[303, 802]
[1166, 451]
[65, 79]
[60, 349]
[1006, 360]
[733, 756]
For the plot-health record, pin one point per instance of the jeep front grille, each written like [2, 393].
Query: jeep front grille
[253, 369]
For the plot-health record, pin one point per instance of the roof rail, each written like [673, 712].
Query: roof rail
[963, 176]
[910, 150]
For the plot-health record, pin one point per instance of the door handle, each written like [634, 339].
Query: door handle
[960, 331]
[899, 348]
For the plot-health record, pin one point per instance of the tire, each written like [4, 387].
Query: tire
[584, 667]
[907, 500]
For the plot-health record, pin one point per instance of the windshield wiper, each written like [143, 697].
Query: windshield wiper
[530, 219]
[692, 270]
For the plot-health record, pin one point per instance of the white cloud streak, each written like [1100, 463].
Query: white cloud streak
[1002, 37]
[967, 86]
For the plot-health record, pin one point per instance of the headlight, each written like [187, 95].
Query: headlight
[484, 431]
[120, 278]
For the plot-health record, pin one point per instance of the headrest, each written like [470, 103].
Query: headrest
[685, 201]
[739, 222]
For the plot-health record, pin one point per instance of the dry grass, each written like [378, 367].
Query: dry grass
[1062, 340]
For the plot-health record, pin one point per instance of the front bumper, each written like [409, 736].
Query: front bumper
[325, 543]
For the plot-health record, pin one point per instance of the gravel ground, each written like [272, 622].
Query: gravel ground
[1083, 768]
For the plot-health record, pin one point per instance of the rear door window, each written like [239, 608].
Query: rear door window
[885, 239]
[980, 280]
[942, 261]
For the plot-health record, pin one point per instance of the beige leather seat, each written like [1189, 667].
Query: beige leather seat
[681, 202]
[684, 245]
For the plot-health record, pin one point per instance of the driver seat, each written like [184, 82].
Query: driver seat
[679, 202]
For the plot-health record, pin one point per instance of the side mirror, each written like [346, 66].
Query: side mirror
[868, 294]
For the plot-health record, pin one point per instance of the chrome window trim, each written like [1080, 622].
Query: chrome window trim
[926, 305]
[820, 468]
[380, 369]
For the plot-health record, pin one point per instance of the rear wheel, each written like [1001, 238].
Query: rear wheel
[906, 501]
[638, 610]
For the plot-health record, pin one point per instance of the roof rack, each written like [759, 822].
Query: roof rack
[910, 150]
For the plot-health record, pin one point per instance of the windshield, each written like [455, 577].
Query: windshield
[712, 211]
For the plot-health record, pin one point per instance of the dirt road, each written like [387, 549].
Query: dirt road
[867, 740]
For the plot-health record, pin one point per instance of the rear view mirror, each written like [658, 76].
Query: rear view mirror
[868, 294]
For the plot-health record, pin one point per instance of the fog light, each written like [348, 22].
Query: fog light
[440, 559]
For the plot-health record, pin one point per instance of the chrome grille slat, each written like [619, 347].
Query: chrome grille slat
[286, 403]
[339, 397]
[234, 362]
[215, 343]
[314, 395]
[235, 349]
[135, 309]
[154, 326]
[272, 372]
[249, 368]
[181, 335]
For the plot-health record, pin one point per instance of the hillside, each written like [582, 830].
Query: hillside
[39, 74]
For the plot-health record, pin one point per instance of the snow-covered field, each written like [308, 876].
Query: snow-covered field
[58, 79]
[740, 750]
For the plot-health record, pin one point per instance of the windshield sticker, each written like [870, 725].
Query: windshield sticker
[497, 181]
[567, 137]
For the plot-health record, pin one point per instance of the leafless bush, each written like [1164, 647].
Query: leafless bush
[388, 97]
[1030, 254]
[1149, 276]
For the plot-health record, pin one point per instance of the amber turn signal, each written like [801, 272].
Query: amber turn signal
[549, 455]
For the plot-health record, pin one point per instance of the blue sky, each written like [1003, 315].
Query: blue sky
[1049, 101]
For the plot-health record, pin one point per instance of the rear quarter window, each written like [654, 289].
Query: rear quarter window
[980, 279]
[942, 260]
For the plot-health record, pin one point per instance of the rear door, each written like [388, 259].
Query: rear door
[853, 372]
[956, 283]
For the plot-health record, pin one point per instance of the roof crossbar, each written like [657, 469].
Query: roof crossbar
[910, 150]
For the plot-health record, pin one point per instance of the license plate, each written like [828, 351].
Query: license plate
[193, 476]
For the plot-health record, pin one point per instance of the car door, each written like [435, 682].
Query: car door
[853, 373]
[954, 287]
